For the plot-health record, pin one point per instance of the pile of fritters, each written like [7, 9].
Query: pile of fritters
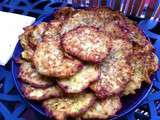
[80, 63]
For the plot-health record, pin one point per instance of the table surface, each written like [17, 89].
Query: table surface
[12, 107]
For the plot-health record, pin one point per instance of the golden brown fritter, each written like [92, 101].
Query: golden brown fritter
[28, 74]
[49, 60]
[130, 31]
[143, 66]
[81, 80]
[39, 94]
[82, 18]
[115, 70]
[103, 109]
[113, 78]
[70, 106]
[87, 43]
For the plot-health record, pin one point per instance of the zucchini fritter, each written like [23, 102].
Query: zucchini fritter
[28, 74]
[82, 18]
[49, 60]
[70, 106]
[81, 80]
[130, 31]
[102, 109]
[113, 78]
[87, 43]
[39, 94]
[115, 70]
[143, 66]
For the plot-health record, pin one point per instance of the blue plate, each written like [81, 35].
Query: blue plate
[129, 102]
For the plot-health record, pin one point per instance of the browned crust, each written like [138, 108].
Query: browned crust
[29, 75]
[103, 109]
[127, 30]
[143, 66]
[49, 60]
[39, 94]
[52, 32]
[69, 87]
[109, 86]
[116, 70]
[62, 115]
[87, 43]
[82, 18]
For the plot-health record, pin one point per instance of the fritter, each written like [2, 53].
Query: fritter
[103, 109]
[82, 18]
[52, 31]
[115, 70]
[114, 77]
[49, 60]
[81, 80]
[70, 106]
[130, 31]
[39, 94]
[28, 74]
[87, 43]
[143, 66]
[32, 36]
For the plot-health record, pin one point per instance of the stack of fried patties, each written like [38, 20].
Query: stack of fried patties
[80, 63]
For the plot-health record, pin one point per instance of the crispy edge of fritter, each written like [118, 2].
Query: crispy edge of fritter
[62, 61]
[149, 64]
[66, 85]
[45, 81]
[104, 104]
[101, 90]
[40, 94]
[74, 20]
[62, 114]
[79, 52]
